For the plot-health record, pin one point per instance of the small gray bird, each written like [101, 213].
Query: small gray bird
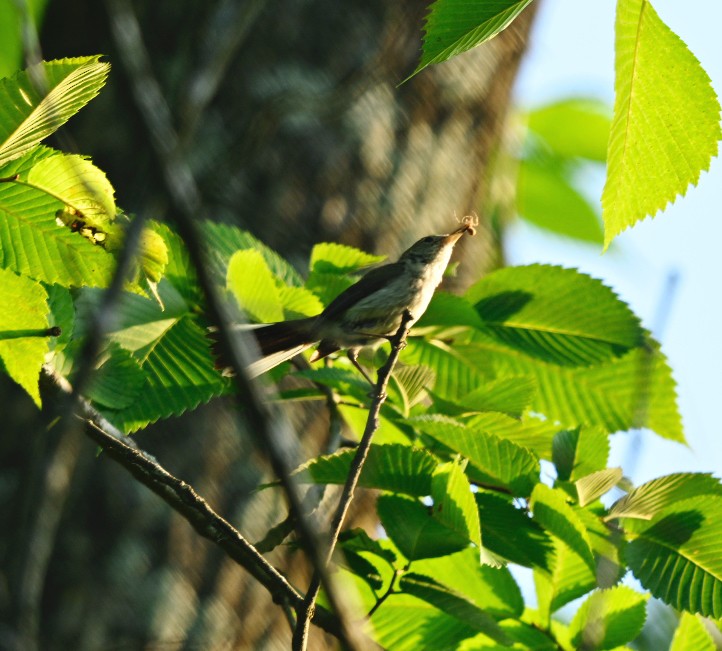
[369, 310]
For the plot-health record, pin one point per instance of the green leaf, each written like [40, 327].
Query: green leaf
[62, 313]
[409, 385]
[414, 531]
[79, 184]
[666, 119]
[609, 618]
[390, 467]
[455, 27]
[557, 315]
[692, 635]
[12, 32]
[509, 532]
[223, 240]
[529, 432]
[452, 603]
[254, 286]
[579, 452]
[179, 271]
[329, 257]
[23, 321]
[607, 544]
[653, 497]
[454, 505]
[327, 286]
[449, 310]
[492, 589]
[596, 484]
[570, 577]
[180, 375]
[576, 127]
[636, 390]
[551, 510]
[36, 102]
[678, 555]
[405, 623]
[118, 380]
[456, 376]
[358, 541]
[33, 244]
[298, 302]
[510, 396]
[494, 461]
[546, 197]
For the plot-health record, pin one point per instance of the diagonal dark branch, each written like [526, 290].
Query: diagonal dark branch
[271, 430]
[306, 613]
[181, 497]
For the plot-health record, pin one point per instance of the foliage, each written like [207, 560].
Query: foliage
[493, 443]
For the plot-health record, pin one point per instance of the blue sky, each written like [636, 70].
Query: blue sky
[572, 54]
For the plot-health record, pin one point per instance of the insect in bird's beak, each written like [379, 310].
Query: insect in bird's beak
[468, 225]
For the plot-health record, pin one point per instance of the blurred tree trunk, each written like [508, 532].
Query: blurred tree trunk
[292, 119]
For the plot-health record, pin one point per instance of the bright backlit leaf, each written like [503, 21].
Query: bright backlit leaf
[665, 128]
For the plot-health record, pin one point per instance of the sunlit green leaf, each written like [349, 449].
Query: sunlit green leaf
[579, 452]
[666, 119]
[546, 197]
[551, 510]
[223, 240]
[494, 461]
[509, 532]
[414, 530]
[452, 603]
[33, 243]
[636, 390]
[36, 102]
[391, 467]
[454, 505]
[23, 342]
[573, 127]
[652, 497]
[558, 315]
[570, 577]
[456, 376]
[405, 623]
[491, 588]
[678, 555]
[329, 257]
[254, 286]
[593, 486]
[609, 618]
[455, 27]
[180, 375]
[692, 635]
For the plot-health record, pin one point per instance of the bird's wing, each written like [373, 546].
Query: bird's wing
[367, 284]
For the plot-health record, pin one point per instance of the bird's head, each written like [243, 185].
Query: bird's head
[433, 248]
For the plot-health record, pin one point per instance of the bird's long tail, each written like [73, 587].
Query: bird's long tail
[279, 342]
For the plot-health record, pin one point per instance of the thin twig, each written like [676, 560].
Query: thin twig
[398, 341]
[271, 431]
[389, 590]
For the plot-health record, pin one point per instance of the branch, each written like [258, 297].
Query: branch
[271, 431]
[306, 613]
[181, 497]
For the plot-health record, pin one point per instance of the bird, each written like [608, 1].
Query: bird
[370, 310]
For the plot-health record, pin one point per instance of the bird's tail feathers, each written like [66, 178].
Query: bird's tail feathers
[278, 342]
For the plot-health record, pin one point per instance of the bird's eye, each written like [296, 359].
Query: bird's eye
[429, 238]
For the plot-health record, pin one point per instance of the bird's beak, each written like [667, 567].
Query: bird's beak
[453, 238]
